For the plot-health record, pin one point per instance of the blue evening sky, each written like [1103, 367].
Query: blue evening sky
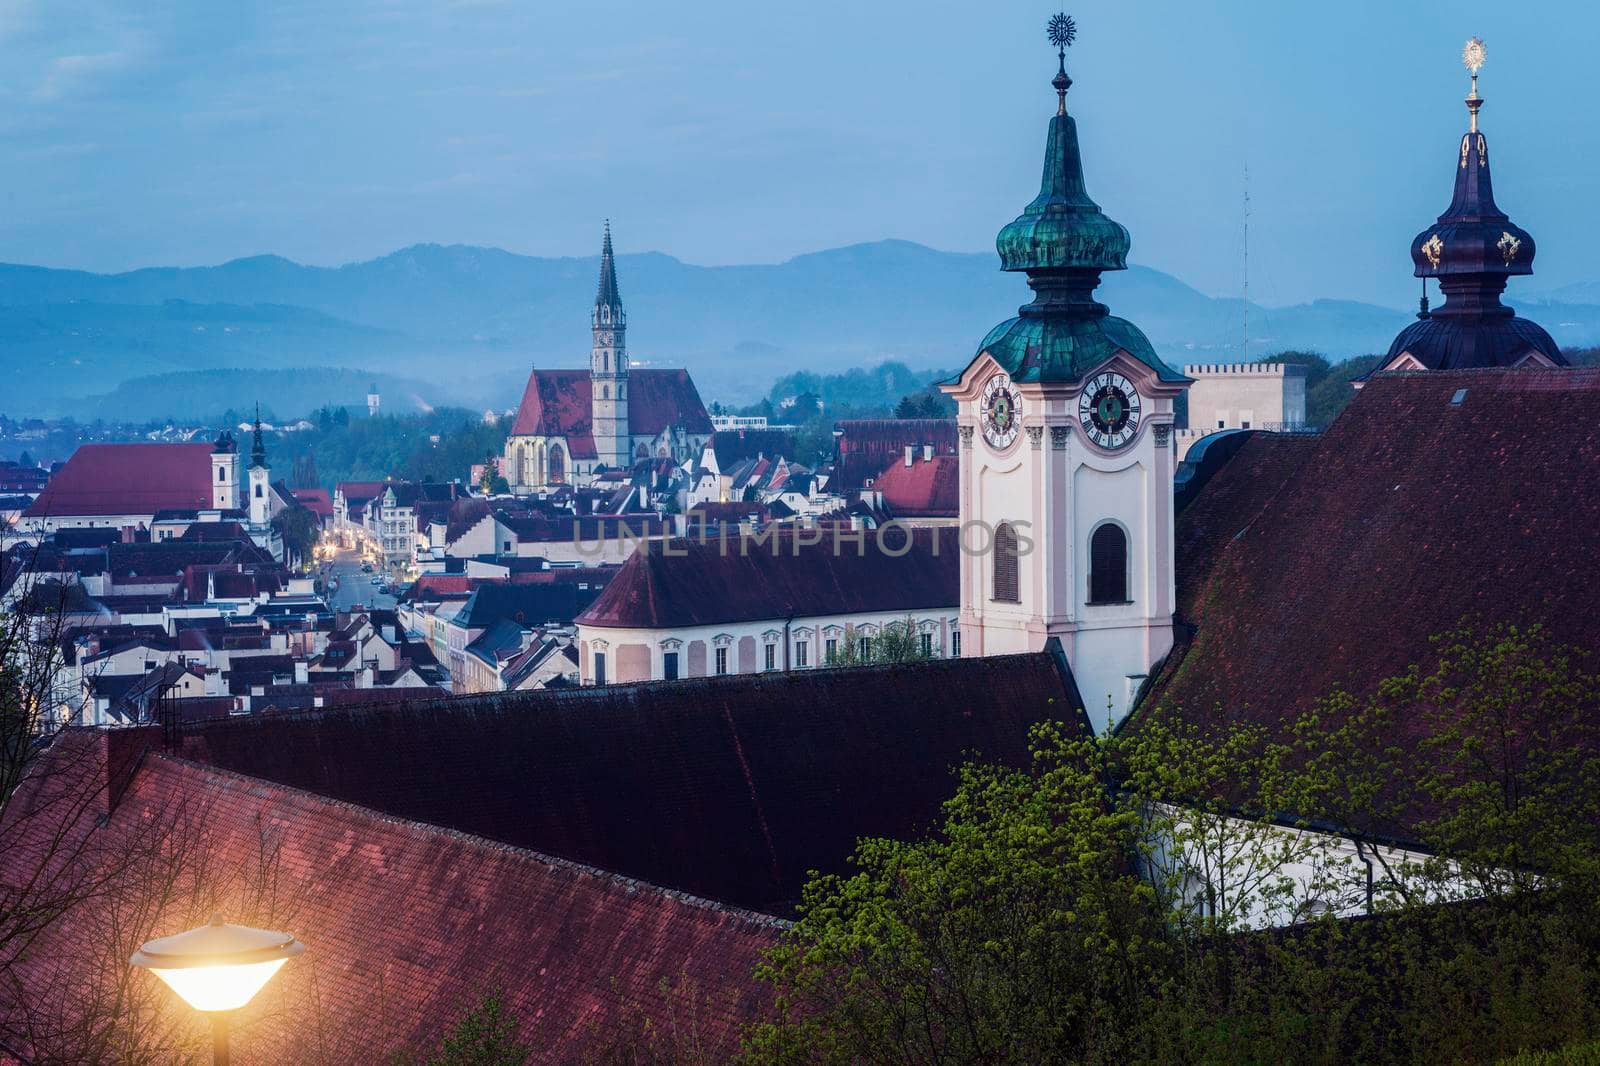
[179, 132]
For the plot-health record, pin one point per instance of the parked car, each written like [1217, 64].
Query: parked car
[376, 580]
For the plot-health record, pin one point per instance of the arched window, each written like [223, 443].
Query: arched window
[641, 452]
[222, 473]
[558, 464]
[258, 490]
[1005, 564]
[1108, 564]
[605, 392]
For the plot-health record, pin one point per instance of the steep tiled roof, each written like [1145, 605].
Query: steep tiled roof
[789, 573]
[408, 925]
[360, 491]
[172, 557]
[530, 529]
[131, 479]
[864, 447]
[1229, 501]
[558, 403]
[733, 445]
[1411, 514]
[525, 604]
[317, 501]
[928, 488]
[728, 787]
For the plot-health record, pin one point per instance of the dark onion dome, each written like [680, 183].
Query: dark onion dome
[1062, 241]
[1472, 250]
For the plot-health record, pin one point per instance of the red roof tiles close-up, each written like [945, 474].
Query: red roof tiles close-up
[408, 926]
[924, 488]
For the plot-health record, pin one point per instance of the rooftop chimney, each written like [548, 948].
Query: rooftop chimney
[911, 451]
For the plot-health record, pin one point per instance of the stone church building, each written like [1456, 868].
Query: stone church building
[573, 422]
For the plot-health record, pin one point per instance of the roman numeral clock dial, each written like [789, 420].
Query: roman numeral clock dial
[1109, 411]
[998, 412]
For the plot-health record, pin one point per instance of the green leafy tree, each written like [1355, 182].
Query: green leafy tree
[299, 529]
[1104, 902]
[928, 403]
[895, 642]
[486, 1036]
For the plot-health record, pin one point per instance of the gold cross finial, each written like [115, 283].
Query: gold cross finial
[1472, 57]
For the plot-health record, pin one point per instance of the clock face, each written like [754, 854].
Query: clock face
[605, 340]
[997, 409]
[1108, 410]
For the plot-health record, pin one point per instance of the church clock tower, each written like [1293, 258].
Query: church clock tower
[608, 369]
[1065, 417]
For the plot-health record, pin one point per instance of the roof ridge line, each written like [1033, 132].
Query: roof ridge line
[234, 777]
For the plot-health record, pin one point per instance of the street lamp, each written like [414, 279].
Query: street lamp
[217, 968]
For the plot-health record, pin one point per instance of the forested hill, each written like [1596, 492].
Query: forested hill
[467, 322]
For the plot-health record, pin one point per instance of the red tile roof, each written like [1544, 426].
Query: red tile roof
[360, 491]
[408, 925]
[730, 787]
[1410, 515]
[864, 447]
[731, 446]
[558, 403]
[928, 488]
[127, 479]
[789, 573]
[317, 501]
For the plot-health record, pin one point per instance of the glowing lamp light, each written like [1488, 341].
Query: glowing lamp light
[222, 987]
[218, 968]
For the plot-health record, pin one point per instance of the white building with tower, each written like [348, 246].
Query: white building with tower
[1066, 422]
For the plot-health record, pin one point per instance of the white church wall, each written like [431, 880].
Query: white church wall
[1253, 875]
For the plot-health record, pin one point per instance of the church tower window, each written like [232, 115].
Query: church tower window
[1005, 564]
[1108, 564]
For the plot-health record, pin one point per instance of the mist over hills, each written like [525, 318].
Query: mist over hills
[462, 324]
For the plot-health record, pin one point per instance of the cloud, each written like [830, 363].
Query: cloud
[77, 76]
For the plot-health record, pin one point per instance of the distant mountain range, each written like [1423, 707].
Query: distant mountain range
[463, 324]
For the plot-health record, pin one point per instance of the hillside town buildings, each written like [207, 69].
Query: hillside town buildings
[589, 850]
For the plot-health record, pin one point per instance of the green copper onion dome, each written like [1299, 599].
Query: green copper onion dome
[1062, 240]
[1063, 227]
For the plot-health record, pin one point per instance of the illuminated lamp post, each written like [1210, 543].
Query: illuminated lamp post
[217, 969]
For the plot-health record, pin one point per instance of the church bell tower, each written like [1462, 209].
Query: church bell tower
[1065, 417]
[608, 367]
[260, 479]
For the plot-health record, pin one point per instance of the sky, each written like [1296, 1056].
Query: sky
[190, 132]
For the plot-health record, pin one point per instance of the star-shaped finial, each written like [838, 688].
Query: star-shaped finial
[1062, 30]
